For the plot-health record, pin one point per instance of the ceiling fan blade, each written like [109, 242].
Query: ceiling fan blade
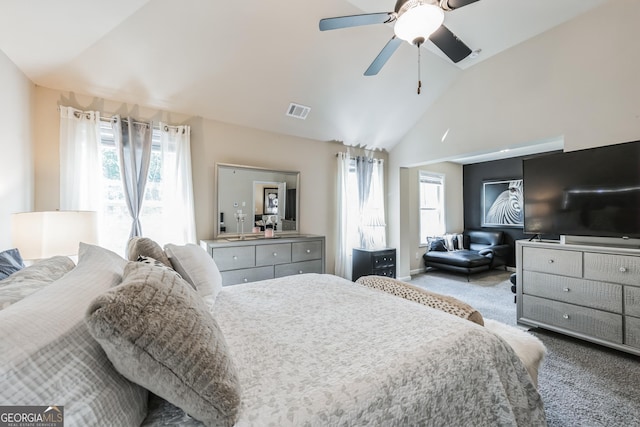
[356, 20]
[383, 56]
[451, 45]
[457, 4]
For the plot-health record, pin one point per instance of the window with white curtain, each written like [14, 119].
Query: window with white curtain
[431, 187]
[91, 179]
[156, 217]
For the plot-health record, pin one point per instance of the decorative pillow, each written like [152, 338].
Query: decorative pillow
[159, 333]
[436, 244]
[33, 278]
[155, 262]
[197, 267]
[445, 303]
[146, 247]
[47, 355]
[10, 262]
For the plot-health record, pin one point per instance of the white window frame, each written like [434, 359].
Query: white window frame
[424, 178]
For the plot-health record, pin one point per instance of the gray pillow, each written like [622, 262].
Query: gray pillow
[10, 262]
[197, 267]
[157, 332]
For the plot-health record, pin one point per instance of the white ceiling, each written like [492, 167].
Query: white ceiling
[243, 62]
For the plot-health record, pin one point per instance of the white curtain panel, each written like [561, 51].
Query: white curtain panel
[373, 225]
[80, 167]
[178, 211]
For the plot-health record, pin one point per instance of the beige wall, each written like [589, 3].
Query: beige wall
[211, 142]
[578, 81]
[16, 141]
[453, 205]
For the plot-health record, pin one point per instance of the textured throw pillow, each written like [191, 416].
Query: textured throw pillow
[155, 262]
[144, 246]
[158, 332]
[197, 267]
[48, 356]
[10, 262]
[436, 244]
[445, 303]
[31, 279]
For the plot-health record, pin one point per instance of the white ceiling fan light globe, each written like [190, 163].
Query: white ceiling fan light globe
[418, 23]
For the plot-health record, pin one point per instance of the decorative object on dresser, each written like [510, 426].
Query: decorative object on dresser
[259, 259]
[585, 291]
[378, 262]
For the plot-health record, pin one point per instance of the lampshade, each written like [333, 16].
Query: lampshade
[40, 235]
[417, 23]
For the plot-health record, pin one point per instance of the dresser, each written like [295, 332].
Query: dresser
[588, 292]
[242, 261]
[377, 262]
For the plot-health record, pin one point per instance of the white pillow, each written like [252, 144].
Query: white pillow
[48, 357]
[197, 267]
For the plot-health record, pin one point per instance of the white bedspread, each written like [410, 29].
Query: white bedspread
[318, 350]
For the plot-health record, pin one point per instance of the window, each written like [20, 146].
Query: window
[115, 222]
[431, 187]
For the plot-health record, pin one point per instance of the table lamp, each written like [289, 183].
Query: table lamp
[39, 235]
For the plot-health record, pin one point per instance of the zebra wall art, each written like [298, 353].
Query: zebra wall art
[503, 203]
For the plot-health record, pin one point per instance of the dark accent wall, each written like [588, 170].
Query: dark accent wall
[473, 177]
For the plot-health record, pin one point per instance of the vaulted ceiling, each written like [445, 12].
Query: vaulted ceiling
[244, 62]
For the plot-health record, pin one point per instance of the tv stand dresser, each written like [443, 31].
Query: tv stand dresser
[587, 292]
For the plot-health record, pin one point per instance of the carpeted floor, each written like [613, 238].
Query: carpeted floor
[581, 384]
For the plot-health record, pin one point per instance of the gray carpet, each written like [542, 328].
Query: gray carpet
[581, 384]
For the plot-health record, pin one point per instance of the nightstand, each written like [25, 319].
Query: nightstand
[378, 262]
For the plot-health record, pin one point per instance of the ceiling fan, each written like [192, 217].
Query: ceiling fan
[415, 22]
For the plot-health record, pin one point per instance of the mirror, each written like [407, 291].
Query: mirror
[260, 197]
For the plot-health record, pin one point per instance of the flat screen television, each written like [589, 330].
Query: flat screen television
[592, 192]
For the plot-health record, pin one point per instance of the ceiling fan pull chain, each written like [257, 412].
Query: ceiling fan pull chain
[419, 73]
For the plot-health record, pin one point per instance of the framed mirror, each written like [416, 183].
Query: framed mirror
[248, 199]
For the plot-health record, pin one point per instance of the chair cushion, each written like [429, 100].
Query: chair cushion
[463, 258]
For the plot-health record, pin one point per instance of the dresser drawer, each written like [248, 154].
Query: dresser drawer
[554, 261]
[589, 293]
[234, 277]
[632, 301]
[302, 267]
[612, 268]
[384, 259]
[632, 331]
[273, 254]
[587, 321]
[304, 251]
[234, 257]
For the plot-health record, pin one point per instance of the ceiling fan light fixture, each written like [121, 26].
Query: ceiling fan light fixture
[418, 22]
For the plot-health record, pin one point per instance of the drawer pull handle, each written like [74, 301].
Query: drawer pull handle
[245, 280]
[300, 271]
[623, 269]
[275, 254]
[308, 251]
[565, 316]
[235, 258]
[551, 261]
[565, 289]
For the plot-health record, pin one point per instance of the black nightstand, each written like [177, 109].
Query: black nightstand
[378, 262]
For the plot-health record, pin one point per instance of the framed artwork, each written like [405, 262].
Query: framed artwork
[270, 205]
[502, 203]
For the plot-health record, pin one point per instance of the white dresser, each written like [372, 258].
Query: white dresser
[241, 261]
[589, 292]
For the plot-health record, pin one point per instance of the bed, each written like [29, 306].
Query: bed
[307, 350]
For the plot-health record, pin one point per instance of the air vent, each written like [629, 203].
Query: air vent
[298, 111]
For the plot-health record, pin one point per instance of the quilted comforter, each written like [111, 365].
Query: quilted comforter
[318, 350]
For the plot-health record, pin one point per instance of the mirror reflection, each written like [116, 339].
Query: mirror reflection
[251, 200]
